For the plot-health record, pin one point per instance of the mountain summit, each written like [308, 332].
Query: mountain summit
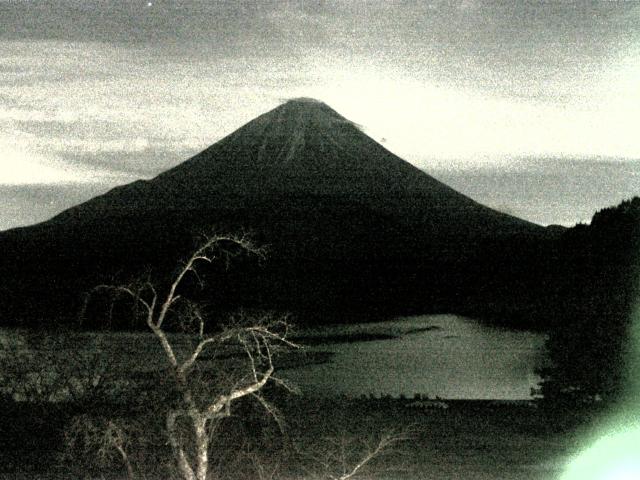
[351, 226]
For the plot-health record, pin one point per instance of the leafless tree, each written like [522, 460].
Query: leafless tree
[32, 370]
[205, 397]
[101, 437]
[342, 457]
[210, 366]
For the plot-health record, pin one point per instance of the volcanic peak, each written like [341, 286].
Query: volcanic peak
[306, 111]
[306, 100]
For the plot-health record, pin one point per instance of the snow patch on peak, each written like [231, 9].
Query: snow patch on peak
[305, 100]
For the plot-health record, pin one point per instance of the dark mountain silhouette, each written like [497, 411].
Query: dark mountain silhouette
[352, 229]
[302, 149]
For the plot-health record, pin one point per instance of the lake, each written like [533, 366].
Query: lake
[438, 355]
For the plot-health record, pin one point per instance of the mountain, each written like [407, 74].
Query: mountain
[302, 149]
[352, 229]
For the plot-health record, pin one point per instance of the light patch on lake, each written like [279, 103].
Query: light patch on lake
[439, 355]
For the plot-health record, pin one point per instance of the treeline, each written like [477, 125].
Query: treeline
[594, 294]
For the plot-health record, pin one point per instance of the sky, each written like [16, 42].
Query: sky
[529, 107]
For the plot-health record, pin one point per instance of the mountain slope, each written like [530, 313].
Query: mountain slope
[302, 148]
[352, 228]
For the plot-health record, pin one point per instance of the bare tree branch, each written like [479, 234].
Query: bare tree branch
[217, 339]
[257, 337]
[343, 458]
[386, 441]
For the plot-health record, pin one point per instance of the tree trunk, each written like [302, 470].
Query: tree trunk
[181, 459]
[202, 448]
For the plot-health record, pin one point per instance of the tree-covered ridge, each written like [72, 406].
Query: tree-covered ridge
[589, 343]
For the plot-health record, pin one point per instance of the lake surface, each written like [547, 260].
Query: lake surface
[438, 355]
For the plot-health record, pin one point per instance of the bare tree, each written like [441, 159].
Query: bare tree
[210, 367]
[104, 438]
[340, 457]
[205, 397]
[32, 371]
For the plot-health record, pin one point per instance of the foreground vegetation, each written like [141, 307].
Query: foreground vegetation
[468, 440]
[95, 393]
[203, 399]
[174, 416]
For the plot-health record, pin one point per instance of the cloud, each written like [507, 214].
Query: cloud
[549, 191]
[27, 204]
[26, 116]
[19, 166]
[145, 163]
[426, 123]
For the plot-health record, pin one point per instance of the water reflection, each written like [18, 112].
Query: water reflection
[439, 355]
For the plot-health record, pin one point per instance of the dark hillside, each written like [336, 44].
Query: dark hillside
[596, 290]
[353, 230]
